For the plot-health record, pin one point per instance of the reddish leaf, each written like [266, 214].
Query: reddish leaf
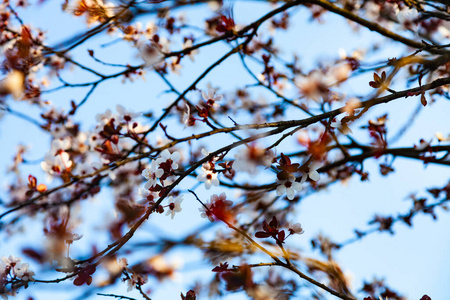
[262, 234]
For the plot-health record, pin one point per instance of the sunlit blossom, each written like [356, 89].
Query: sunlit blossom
[209, 177]
[174, 206]
[152, 174]
[172, 157]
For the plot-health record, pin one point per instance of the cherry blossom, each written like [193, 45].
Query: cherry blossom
[136, 279]
[104, 118]
[289, 187]
[23, 272]
[407, 16]
[422, 145]
[19, 270]
[55, 164]
[173, 158]
[206, 213]
[11, 260]
[209, 177]
[152, 174]
[211, 98]
[338, 73]
[295, 228]
[174, 206]
[313, 174]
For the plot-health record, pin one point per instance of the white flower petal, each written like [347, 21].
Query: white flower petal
[290, 193]
[281, 189]
[314, 175]
[208, 184]
[297, 186]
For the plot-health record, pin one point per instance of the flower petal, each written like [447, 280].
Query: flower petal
[314, 175]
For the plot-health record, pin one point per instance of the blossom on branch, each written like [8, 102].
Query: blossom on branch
[211, 98]
[209, 177]
[152, 174]
[218, 208]
[174, 206]
[289, 187]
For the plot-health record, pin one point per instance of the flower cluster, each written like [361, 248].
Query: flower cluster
[13, 270]
[161, 170]
[158, 176]
[272, 230]
[204, 109]
[111, 136]
[288, 183]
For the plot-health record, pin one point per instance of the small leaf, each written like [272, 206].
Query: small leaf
[281, 236]
[262, 234]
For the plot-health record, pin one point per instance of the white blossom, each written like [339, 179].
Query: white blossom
[313, 174]
[134, 280]
[11, 260]
[295, 228]
[55, 164]
[206, 213]
[422, 145]
[23, 271]
[209, 177]
[338, 73]
[104, 118]
[289, 187]
[166, 155]
[313, 86]
[19, 270]
[152, 174]
[174, 206]
[407, 16]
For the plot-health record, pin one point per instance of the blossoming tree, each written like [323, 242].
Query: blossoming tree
[221, 116]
